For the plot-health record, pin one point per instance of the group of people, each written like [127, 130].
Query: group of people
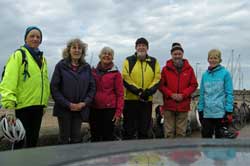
[103, 95]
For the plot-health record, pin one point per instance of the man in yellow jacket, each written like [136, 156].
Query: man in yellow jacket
[141, 77]
[25, 85]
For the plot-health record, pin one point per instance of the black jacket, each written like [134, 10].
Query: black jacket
[71, 86]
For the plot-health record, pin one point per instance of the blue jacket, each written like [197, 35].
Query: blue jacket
[216, 93]
[69, 86]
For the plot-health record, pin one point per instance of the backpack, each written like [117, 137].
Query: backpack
[24, 62]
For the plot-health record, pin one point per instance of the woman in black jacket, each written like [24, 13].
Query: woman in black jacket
[72, 88]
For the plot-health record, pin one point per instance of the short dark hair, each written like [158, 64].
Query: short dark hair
[141, 41]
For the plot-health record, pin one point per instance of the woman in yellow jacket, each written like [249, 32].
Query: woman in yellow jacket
[25, 86]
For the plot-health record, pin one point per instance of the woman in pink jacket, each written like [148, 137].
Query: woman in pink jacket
[108, 102]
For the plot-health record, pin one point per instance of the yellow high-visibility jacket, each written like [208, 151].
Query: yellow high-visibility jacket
[18, 93]
[140, 75]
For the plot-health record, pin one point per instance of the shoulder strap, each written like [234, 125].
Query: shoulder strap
[24, 59]
[152, 63]
[25, 63]
[131, 63]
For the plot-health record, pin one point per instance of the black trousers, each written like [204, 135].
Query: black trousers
[70, 127]
[31, 118]
[101, 124]
[137, 119]
[211, 127]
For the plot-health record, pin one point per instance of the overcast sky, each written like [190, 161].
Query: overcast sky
[199, 25]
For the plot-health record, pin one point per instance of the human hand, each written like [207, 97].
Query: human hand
[174, 96]
[145, 95]
[228, 117]
[73, 107]
[139, 92]
[116, 120]
[179, 97]
[162, 111]
[77, 107]
[81, 105]
[11, 118]
[9, 114]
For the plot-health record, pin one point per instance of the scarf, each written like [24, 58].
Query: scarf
[36, 54]
[104, 69]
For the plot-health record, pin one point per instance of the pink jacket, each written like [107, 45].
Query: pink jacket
[109, 90]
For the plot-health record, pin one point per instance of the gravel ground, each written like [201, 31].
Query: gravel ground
[245, 132]
[49, 132]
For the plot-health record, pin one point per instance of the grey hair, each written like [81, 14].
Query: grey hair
[66, 51]
[107, 49]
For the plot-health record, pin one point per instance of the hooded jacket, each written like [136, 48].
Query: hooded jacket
[216, 93]
[109, 90]
[183, 82]
[18, 93]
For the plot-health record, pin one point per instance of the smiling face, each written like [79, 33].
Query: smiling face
[214, 57]
[75, 51]
[106, 58]
[177, 56]
[141, 50]
[33, 38]
[213, 61]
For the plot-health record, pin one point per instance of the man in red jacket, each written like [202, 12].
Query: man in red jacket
[178, 82]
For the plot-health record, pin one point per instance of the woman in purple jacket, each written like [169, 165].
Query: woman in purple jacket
[73, 89]
[108, 103]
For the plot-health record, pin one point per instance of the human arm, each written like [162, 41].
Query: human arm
[201, 101]
[55, 85]
[164, 84]
[192, 85]
[129, 84]
[8, 86]
[91, 89]
[152, 88]
[119, 93]
[228, 84]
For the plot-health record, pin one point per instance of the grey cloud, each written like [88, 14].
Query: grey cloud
[198, 24]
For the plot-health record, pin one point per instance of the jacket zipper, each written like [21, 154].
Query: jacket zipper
[142, 74]
[42, 83]
[178, 89]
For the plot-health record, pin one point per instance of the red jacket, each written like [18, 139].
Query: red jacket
[109, 90]
[174, 82]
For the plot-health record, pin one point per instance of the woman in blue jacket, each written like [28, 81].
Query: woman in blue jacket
[216, 96]
[72, 88]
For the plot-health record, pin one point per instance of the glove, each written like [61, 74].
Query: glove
[145, 95]
[139, 92]
[228, 117]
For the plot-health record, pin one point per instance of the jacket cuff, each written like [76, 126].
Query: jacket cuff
[118, 113]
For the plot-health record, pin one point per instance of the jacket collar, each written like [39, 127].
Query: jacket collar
[146, 59]
[67, 63]
[217, 68]
[170, 65]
